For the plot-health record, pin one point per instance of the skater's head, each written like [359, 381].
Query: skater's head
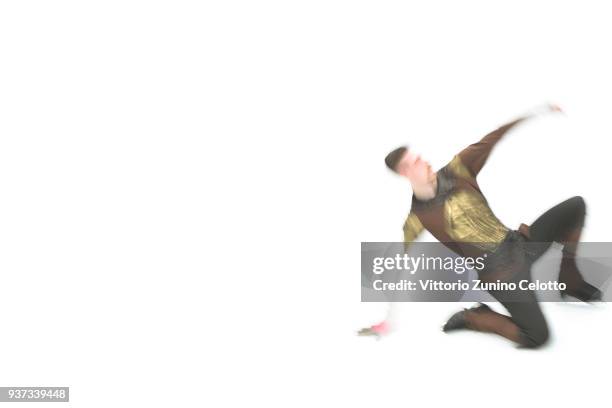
[408, 164]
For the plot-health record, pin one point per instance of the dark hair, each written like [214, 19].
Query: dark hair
[395, 157]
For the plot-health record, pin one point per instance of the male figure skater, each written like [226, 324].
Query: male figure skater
[450, 205]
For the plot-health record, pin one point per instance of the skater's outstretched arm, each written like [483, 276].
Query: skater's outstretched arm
[412, 229]
[475, 155]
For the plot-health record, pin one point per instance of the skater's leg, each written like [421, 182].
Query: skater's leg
[482, 318]
[563, 224]
[525, 326]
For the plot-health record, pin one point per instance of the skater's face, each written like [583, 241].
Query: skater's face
[415, 169]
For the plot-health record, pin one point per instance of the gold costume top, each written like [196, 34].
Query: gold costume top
[459, 215]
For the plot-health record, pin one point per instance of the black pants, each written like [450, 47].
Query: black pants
[515, 257]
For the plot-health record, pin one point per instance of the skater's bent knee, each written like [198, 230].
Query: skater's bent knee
[535, 337]
[578, 203]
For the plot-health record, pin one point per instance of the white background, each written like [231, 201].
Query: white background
[184, 187]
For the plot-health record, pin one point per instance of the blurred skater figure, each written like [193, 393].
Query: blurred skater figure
[450, 205]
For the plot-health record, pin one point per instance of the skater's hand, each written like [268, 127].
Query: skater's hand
[376, 330]
[555, 108]
[545, 110]
[367, 331]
